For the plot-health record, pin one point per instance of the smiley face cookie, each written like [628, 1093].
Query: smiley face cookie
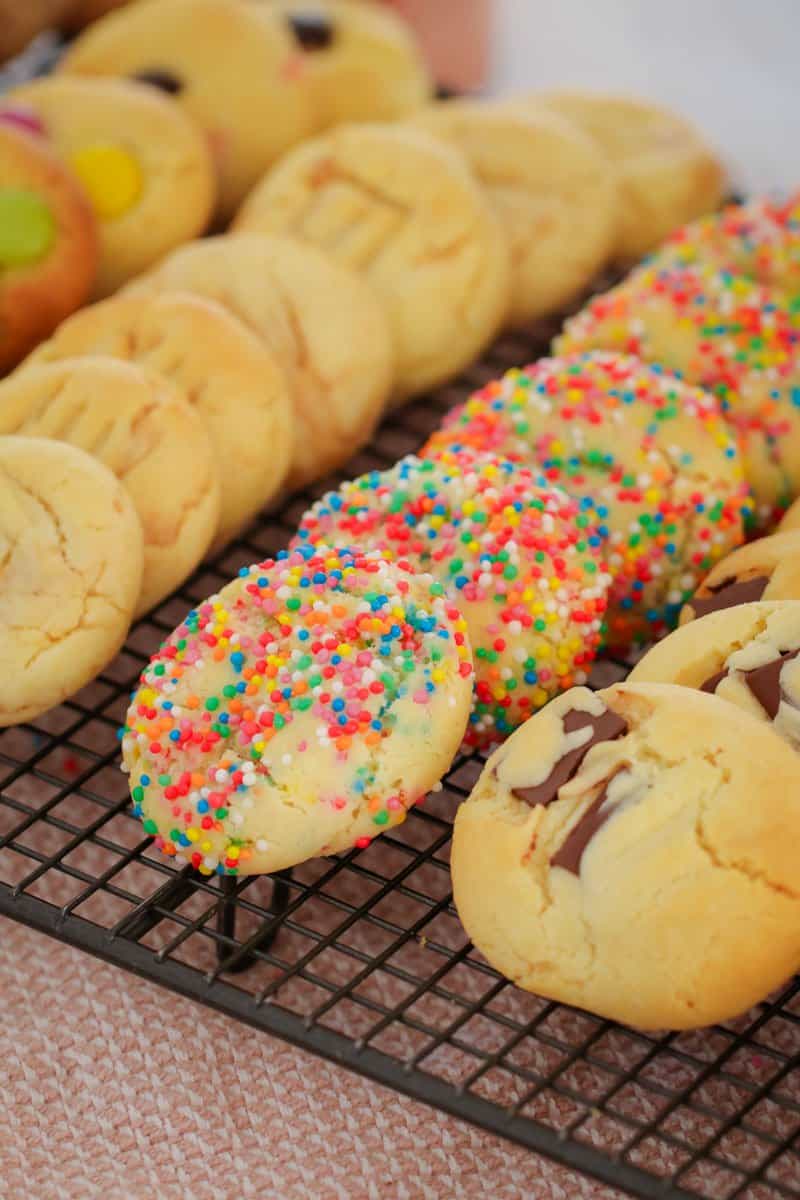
[519, 560]
[220, 368]
[727, 334]
[650, 459]
[302, 711]
[622, 853]
[70, 572]
[142, 162]
[551, 188]
[321, 322]
[48, 243]
[139, 426]
[403, 210]
[233, 67]
[667, 174]
[361, 61]
[766, 569]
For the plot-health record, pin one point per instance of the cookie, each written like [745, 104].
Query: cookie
[633, 852]
[551, 188]
[649, 458]
[83, 12]
[70, 573]
[403, 210]
[760, 239]
[666, 173]
[766, 569]
[222, 369]
[233, 67]
[748, 655]
[361, 61]
[322, 323]
[48, 243]
[142, 162]
[518, 560]
[301, 711]
[137, 424]
[791, 519]
[731, 336]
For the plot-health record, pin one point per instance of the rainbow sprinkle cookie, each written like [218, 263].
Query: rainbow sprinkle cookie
[519, 560]
[726, 333]
[760, 239]
[301, 711]
[649, 458]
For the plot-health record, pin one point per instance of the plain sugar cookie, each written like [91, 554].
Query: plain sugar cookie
[551, 188]
[667, 174]
[219, 366]
[233, 67]
[142, 162]
[766, 569]
[300, 712]
[322, 323]
[138, 425]
[70, 572]
[621, 853]
[402, 209]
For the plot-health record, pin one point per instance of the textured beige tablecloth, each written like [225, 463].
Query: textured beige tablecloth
[113, 1087]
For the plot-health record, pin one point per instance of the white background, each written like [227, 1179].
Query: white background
[731, 65]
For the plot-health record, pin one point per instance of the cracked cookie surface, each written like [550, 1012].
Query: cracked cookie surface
[633, 852]
[402, 209]
[71, 554]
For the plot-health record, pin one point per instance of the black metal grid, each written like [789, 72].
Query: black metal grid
[361, 957]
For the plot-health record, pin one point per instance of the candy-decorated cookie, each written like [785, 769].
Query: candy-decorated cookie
[136, 423]
[143, 163]
[767, 569]
[551, 187]
[748, 655]
[726, 333]
[322, 323]
[235, 68]
[70, 572]
[48, 243]
[219, 366]
[361, 61]
[302, 711]
[403, 210]
[519, 560]
[634, 853]
[667, 174]
[650, 459]
[760, 239]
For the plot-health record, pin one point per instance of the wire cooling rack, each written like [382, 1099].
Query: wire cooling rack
[361, 957]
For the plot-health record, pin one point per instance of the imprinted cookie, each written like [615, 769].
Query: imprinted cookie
[322, 323]
[302, 711]
[403, 210]
[519, 560]
[553, 191]
[655, 469]
[48, 243]
[233, 67]
[633, 852]
[219, 366]
[667, 174]
[136, 423]
[70, 572]
[766, 569]
[143, 163]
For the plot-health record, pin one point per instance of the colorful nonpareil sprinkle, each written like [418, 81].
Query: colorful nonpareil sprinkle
[300, 711]
[652, 464]
[521, 561]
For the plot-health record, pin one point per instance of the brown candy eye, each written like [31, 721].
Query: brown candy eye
[164, 80]
[313, 30]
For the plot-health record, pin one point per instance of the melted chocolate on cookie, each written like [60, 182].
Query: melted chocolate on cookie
[605, 728]
[570, 854]
[164, 80]
[729, 593]
[764, 683]
[313, 30]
